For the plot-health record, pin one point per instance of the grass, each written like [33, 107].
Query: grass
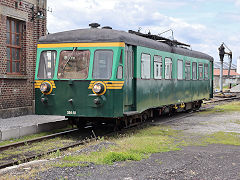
[134, 146]
[228, 107]
[227, 138]
[43, 146]
[236, 121]
[141, 144]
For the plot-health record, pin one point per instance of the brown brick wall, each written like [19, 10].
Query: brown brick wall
[16, 91]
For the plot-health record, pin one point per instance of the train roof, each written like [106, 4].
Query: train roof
[91, 35]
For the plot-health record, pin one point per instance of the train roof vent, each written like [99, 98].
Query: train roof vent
[94, 25]
[106, 27]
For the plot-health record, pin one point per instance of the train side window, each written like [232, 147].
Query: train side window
[157, 67]
[200, 71]
[180, 69]
[206, 71]
[145, 66]
[168, 68]
[187, 70]
[120, 67]
[47, 64]
[102, 65]
[194, 71]
[73, 64]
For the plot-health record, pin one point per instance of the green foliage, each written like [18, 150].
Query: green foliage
[112, 157]
[224, 138]
[134, 146]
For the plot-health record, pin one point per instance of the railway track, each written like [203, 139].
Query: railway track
[88, 136]
[224, 97]
[16, 161]
[22, 143]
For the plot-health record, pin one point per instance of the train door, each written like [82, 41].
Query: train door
[129, 93]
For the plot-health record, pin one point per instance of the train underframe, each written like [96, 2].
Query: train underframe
[137, 118]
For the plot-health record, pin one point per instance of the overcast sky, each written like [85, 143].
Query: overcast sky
[204, 24]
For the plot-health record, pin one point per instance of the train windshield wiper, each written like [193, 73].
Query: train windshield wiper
[74, 49]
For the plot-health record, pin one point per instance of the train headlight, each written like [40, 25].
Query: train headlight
[99, 88]
[46, 88]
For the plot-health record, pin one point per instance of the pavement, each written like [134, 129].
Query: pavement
[16, 127]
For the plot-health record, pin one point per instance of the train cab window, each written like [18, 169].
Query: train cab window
[200, 71]
[145, 66]
[47, 65]
[102, 65]
[206, 71]
[168, 68]
[187, 70]
[157, 67]
[194, 71]
[74, 64]
[180, 69]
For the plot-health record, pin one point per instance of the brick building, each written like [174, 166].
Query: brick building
[22, 22]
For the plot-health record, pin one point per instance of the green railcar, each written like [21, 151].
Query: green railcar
[103, 74]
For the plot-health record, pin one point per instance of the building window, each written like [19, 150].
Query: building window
[194, 71]
[180, 69]
[200, 71]
[206, 71]
[14, 34]
[157, 67]
[146, 66]
[187, 70]
[168, 68]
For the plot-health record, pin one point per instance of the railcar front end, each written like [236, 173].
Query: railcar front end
[80, 80]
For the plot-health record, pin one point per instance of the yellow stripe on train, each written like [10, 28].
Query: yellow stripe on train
[109, 84]
[39, 82]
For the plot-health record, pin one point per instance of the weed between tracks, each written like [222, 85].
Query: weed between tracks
[35, 148]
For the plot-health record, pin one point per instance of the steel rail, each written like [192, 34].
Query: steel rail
[27, 159]
[39, 139]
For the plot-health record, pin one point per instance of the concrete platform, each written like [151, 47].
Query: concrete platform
[25, 125]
